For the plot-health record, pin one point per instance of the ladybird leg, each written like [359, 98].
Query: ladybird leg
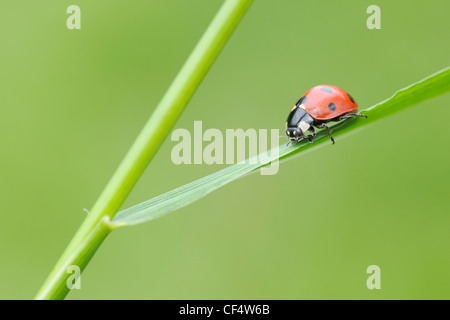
[309, 138]
[313, 131]
[360, 115]
[323, 125]
[292, 142]
[351, 115]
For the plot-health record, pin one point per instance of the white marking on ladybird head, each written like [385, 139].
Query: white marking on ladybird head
[303, 126]
[302, 106]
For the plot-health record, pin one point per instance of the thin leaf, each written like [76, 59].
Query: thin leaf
[161, 205]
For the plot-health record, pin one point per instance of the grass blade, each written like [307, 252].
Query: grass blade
[432, 86]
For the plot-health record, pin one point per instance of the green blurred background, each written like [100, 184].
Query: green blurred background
[72, 102]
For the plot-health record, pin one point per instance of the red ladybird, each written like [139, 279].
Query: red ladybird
[316, 107]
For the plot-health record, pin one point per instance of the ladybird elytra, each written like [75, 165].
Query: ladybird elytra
[318, 106]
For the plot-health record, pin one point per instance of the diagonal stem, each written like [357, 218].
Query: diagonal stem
[149, 140]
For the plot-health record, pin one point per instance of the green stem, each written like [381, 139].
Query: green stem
[80, 257]
[148, 141]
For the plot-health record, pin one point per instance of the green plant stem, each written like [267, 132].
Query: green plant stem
[146, 144]
[81, 255]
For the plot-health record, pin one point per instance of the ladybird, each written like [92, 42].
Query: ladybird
[319, 105]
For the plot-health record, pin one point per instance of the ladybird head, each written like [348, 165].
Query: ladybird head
[294, 133]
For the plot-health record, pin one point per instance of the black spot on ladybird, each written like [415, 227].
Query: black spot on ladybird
[301, 100]
[351, 98]
[332, 106]
[326, 89]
